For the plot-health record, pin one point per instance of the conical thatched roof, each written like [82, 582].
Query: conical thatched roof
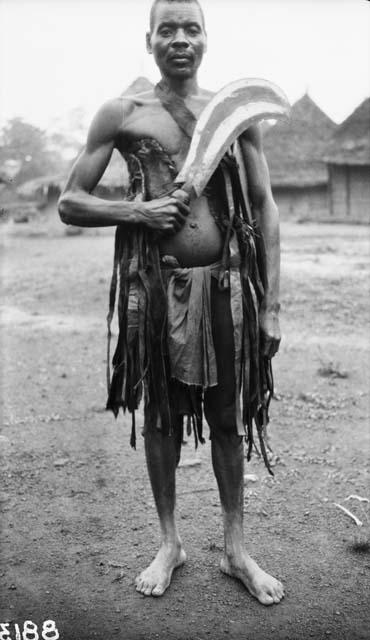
[140, 85]
[351, 141]
[295, 149]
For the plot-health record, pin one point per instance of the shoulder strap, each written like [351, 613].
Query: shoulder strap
[176, 107]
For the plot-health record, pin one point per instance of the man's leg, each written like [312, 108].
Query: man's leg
[162, 456]
[228, 459]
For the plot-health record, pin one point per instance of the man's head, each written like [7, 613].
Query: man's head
[177, 36]
[157, 2]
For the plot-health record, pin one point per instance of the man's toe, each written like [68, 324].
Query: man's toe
[159, 590]
[147, 589]
[266, 599]
[141, 586]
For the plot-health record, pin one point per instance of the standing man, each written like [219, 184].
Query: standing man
[177, 263]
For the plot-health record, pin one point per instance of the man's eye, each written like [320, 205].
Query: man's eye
[165, 33]
[193, 31]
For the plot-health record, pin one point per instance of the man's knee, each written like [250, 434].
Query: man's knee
[221, 419]
[154, 436]
[227, 439]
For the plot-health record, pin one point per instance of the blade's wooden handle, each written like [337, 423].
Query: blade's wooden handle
[187, 187]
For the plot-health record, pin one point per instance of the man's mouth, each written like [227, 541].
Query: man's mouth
[181, 58]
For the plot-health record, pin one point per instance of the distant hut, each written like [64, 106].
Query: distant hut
[294, 152]
[140, 85]
[348, 158]
[44, 190]
[42, 193]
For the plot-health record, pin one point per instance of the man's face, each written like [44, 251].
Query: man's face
[178, 39]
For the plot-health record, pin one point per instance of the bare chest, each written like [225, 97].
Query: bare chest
[199, 241]
[153, 121]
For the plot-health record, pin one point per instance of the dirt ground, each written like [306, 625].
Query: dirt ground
[78, 521]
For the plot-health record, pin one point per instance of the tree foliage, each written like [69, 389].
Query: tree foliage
[26, 146]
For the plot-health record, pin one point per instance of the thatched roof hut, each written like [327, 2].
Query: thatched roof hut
[140, 85]
[47, 188]
[294, 152]
[43, 188]
[351, 142]
[348, 158]
[295, 149]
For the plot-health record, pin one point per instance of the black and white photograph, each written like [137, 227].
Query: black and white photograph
[184, 319]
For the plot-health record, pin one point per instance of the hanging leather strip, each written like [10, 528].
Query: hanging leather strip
[176, 107]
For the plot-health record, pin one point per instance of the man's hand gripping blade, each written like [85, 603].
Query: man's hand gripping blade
[230, 112]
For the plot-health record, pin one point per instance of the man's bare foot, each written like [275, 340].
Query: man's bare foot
[154, 580]
[260, 584]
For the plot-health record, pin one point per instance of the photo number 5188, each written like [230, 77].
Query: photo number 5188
[30, 631]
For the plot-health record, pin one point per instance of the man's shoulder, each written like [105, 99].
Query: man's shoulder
[112, 115]
[139, 95]
[109, 115]
[116, 108]
[138, 99]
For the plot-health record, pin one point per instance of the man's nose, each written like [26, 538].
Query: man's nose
[180, 39]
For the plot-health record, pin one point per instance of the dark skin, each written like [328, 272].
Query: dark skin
[188, 231]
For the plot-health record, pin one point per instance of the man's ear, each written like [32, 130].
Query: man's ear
[148, 43]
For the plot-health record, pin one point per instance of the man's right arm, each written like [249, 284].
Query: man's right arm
[78, 206]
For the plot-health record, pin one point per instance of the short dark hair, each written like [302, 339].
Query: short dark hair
[157, 2]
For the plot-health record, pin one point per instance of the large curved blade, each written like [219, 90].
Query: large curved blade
[230, 112]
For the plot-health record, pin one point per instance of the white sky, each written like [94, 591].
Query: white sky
[61, 54]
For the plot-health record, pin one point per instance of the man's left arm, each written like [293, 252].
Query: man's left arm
[267, 216]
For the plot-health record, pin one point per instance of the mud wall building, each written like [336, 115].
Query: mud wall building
[295, 155]
[348, 159]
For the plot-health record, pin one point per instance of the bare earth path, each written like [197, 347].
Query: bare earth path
[78, 521]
